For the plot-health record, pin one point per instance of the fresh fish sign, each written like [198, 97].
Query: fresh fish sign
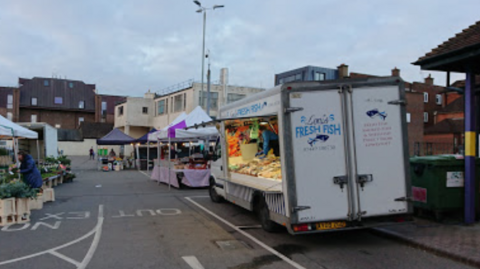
[318, 129]
[375, 113]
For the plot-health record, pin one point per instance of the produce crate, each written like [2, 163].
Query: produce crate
[23, 210]
[48, 195]
[7, 211]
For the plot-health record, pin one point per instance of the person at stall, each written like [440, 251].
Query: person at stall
[173, 152]
[112, 154]
[270, 140]
[31, 175]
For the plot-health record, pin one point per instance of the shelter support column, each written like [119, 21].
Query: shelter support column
[470, 150]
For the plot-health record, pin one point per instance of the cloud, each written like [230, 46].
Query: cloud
[128, 47]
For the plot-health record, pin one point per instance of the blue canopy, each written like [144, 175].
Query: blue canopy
[144, 139]
[115, 137]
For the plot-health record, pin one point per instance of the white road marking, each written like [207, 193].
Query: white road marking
[251, 237]
[122, 215]
[54, 227]
[95, 242]
[169, 211]
[97, 231]
[147, 175]
[55, 216]
[63, 257]
[193, 262]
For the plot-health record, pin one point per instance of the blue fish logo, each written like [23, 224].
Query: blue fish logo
[375, 113]
[321, 138]
[303, 119]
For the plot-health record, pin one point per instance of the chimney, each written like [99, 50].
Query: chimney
[224, 83]
[395, 72]
[149, 95]
[342, 71]
[223, 76]
[429, 80]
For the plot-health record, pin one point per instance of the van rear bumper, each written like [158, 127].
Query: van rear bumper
[366, 223]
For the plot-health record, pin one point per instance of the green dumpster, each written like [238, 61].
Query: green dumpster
[438, 183]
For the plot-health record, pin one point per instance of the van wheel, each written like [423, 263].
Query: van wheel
[213, 193]
[264, 217]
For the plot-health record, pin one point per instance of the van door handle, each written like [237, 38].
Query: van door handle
[340, 180]
[362, 179]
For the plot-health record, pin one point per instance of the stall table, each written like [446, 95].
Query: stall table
[189, 177]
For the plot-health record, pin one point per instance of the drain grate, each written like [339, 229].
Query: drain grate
[231, 244]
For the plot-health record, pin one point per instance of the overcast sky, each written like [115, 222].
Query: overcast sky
[128, 47]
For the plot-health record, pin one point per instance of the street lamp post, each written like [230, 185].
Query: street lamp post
[204, 10]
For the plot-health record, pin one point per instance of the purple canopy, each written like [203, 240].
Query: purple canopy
[115, 137]
[180, 125]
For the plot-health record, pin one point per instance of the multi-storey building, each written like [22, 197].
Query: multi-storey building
[307, 73]
[137, 115]
[58, 102]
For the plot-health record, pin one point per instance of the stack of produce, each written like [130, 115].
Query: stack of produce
[265, 168]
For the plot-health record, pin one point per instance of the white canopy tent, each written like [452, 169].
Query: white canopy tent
[155, 136]
[196, 133]
[196, 117]
[10, 130]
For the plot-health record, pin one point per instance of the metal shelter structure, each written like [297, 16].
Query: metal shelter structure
[462, 54]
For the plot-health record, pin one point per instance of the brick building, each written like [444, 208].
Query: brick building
[58, 102]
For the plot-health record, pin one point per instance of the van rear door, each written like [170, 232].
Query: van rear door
[319, 159]
[379, 142]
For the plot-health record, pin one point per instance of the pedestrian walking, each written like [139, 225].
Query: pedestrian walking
[92, 154]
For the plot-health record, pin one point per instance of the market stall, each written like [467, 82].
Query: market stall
[253, 150]
[114, 138]
[13, 131]
[148, 156]
[191, 171]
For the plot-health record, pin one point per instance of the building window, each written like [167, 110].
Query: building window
[317, 76]
[120, 110]
[104, 109]
[213, 100]
[70, 85]
[178, 103]
[298, 77]
[184, 101]
[81, 104]
[166, 105]
[9, 116]
[58, 126]
[161, 107]
[145, 110]
[438, 99]
[46, 82]
[171, 104]
[408, 117]
[425, 117]
[9, 101]
[33, 118]
[58, 100]
[80, 120]
[34, 101]
[280, 81]
[425, 97]
[233, 97]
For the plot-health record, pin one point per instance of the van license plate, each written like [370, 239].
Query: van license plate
[331, 225]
